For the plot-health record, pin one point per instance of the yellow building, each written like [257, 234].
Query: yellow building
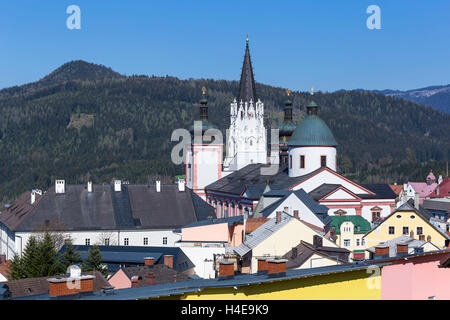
[406, 220]
[342, 282]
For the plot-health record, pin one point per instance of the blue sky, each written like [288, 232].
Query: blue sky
[296, 44]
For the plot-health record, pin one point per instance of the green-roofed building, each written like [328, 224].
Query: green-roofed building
[349, 231]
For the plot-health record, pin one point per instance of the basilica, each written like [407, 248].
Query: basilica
[306, 156]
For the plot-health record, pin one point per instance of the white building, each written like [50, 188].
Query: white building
[118, 214]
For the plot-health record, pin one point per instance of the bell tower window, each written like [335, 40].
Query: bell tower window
[302, 162]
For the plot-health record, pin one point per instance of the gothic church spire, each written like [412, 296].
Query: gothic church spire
[247, 88]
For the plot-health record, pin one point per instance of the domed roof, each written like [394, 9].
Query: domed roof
[312, 131]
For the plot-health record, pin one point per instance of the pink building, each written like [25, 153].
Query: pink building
[424, 189]
[421, 277]
[224, 231]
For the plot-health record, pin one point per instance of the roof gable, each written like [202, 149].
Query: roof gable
[325, 174]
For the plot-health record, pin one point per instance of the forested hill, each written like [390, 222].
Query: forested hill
[85, 121]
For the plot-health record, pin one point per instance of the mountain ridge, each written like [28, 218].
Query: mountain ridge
[99, 125]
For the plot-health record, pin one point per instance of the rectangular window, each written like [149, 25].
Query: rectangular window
[164, 240]
[87, 242]
[145, 241]
[290, 162]
[107, 242]
[323, 161]
[346, 242]
[302, 162]
[363, 242]
[126, 241]
[391, 230]
[419, 231]
[357, 242]
[406, 230]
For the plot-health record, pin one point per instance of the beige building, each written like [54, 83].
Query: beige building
[275, 238]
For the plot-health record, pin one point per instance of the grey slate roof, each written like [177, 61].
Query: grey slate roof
[229, 220]
[113, 256]
[135, 207]
[322, 190]
[236, 182]
[319, 210]
[263, 232]
[381, 190]
[436, 205]
[392, 244]
[306, 250]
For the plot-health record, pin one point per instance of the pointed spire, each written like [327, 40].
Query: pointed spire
[247, 88]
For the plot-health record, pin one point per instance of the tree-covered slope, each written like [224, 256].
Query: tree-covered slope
[85, 121]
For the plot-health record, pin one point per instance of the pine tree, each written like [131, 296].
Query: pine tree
[29, 260]
[70, 256]
[16, 270]
[94, 261]
[48, 264]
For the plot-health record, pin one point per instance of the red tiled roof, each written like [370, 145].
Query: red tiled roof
[444, 189]
[396, 188]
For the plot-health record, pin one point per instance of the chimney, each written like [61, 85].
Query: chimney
[33, 196]
[117, 185]
[2, 258]
[226, 269]
[381, 251]
[181, 185]
[89, 186]
[428, 238]
[175, 278]
[278, 217]
[296, 215]
[149, 261]
[277, 267]
[416, 200]
[168, 261]
[150, 278]
[440, 179]
[402, 249]
[134, 281]
[158, 185]
[60, 186]
[60, 286]
[263, 266]
[317, 241]
[422, 237]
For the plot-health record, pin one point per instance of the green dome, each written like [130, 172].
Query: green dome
[312, 131]
[205, 126]
[286, 128]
